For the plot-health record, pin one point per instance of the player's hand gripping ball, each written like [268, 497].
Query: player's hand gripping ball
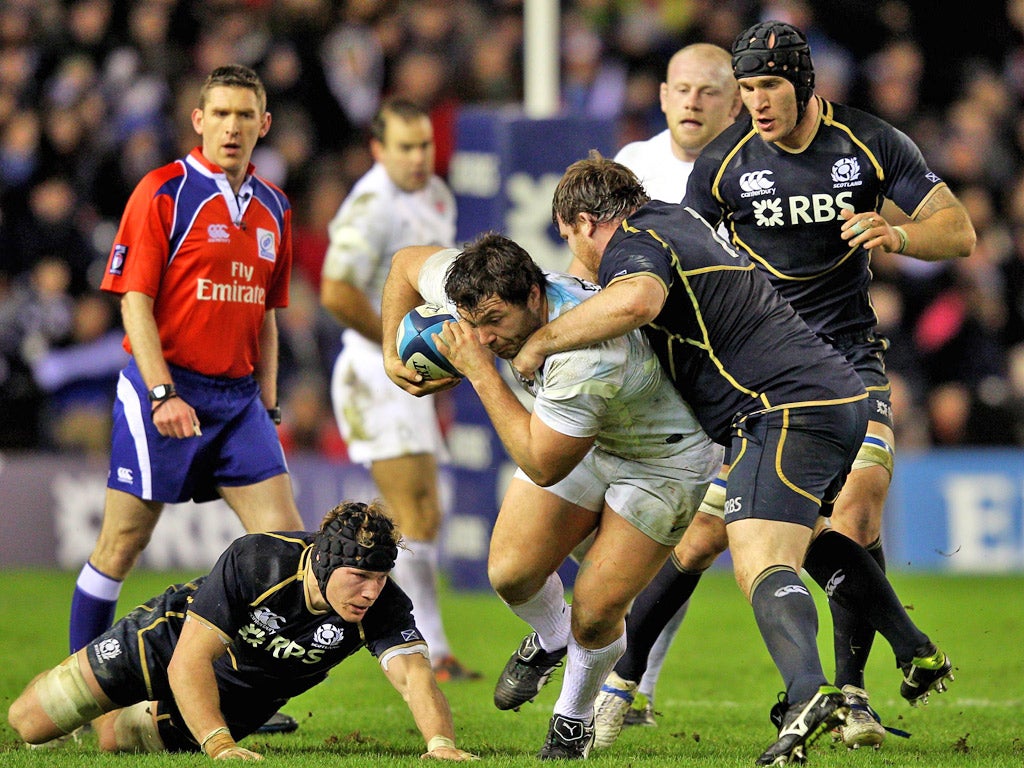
[416, 346]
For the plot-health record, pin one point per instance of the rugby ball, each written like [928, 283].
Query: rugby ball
[416, 346]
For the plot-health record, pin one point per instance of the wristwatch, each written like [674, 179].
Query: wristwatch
[161, 392]
[275, 414]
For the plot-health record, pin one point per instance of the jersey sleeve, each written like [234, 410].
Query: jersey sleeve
[141, 247]
[358, 234]
[277, 293]
[432, 276]
[635, 256]
[908, 179]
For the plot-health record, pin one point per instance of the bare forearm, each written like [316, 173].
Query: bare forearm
[266, 368]
[195, 692]
[351, 307]
[511, 420]
[941, 230]
[140, 326]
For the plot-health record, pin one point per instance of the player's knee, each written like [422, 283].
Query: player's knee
[116, 556]
[21, 719]
[704, 541]
[592, 628]
[508, 579]
[58, 703]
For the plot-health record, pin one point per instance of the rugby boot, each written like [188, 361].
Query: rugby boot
[802, 724]
[610, 708]
[641, 713]
[863, 726]
[924, 674]
[526, 672]
[568, 739]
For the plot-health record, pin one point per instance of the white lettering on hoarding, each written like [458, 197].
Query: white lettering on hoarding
[984, 522]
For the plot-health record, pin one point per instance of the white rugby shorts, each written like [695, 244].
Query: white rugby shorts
[658, 497]
[377, 418]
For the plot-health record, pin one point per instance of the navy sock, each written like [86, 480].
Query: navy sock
[853, 635]
[788, 621]
[93, 606]
[651, 611]
[851, 577]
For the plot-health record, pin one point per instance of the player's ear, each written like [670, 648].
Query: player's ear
[586, 224]
[197, 120]
[265, 124]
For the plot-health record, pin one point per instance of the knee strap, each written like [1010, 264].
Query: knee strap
[65, 696]
[135, 729]
[714, 497]
[875, 451]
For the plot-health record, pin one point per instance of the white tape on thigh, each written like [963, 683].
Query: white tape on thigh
[714, 499]
[135, 729]
[66, 698]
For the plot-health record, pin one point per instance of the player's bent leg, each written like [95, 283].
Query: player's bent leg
[757, 545]
[58, 702]
[268, 505]
[534, 533]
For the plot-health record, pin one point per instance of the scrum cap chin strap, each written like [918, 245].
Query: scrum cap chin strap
[779, 49]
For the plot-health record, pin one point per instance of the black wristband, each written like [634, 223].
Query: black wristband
[274, 414]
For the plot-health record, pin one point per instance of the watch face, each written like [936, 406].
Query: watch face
[159, 392]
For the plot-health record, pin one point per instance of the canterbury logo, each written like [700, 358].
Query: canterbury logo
[218, 233]
[833, 583]
[756, 181]
[792, 589]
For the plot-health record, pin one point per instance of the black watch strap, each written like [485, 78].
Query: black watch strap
[161, 392]
[275, 414]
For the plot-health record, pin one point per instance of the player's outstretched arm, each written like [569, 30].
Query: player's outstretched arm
[194, 684]
[413, 678]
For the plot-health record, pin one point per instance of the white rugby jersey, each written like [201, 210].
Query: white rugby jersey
[663, 174]
[616, 390]
[376, 220]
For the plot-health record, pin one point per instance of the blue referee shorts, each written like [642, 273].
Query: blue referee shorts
[239, 445]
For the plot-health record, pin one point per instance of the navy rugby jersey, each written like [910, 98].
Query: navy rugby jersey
[730, 343]
[279, 645]
[781, 206]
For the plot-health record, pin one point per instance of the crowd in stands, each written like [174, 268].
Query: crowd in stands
[94, 93]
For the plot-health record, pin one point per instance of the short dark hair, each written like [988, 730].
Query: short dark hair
[395, 107]
[234, 76]
[492, 265]
[601, 187]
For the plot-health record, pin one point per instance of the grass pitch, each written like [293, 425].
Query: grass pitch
[714, 694]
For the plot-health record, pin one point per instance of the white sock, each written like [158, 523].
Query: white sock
[548, 614]
[656, 659]
[585, 673]
[416, 573]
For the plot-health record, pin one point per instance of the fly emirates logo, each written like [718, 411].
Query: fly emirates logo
[237, 291]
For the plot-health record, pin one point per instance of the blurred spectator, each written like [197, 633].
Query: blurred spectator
[93, 93]
[307, 424]
[80, 378]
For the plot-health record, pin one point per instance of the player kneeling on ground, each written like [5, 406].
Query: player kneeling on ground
[200, 666]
